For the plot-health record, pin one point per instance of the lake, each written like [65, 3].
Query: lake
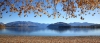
[36, 31]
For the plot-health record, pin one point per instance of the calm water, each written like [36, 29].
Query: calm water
[35, 31]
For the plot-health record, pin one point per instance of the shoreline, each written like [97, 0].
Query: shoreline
[49, 39]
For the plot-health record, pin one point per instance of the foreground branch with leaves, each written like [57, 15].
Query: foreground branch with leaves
[39, 7]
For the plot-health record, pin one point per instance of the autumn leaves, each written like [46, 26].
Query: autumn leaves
[39, 7]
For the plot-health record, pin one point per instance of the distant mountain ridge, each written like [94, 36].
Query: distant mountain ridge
[59, 25]
[29, 23]
[1, 23]
[20, 23]
[73, 25]
[25, 23]
[81, 24]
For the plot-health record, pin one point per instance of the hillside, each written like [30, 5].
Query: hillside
[80, 24]
[25, 23]
[59, 25]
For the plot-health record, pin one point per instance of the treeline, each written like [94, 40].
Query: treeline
[91, 26]
[80, 26]
[85, 26]
[2, 26]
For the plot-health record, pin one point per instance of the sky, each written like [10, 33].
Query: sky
[44, 19]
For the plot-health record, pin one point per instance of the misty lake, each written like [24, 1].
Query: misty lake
[36, 31]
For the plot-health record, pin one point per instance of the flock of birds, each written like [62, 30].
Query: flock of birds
[39, 7]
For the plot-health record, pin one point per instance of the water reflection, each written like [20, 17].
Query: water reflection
[73, 29]
[2, 28]
[49, 31]
[59, 29]
[81, 29]
[24, 29]
[34, 29]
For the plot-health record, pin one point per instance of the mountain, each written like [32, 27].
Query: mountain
[42, 25]
[95, 26]
[80, 24]
[1, 23]
[20, 23]
[25, 23]
[59, 25]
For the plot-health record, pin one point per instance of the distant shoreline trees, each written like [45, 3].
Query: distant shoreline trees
[2, 26]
